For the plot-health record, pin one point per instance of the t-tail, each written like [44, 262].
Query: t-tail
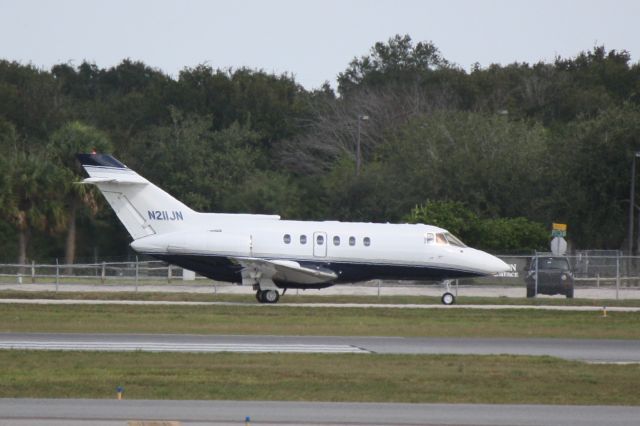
[142, 207]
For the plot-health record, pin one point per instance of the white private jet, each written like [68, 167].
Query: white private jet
[271, 254]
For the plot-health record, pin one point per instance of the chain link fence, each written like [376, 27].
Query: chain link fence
[596, 274]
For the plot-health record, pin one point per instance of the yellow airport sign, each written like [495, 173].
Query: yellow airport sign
[559, 227]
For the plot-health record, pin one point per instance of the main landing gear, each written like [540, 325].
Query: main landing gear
[448, 298]
[267, 296]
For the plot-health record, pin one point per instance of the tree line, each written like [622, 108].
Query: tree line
[494, 153]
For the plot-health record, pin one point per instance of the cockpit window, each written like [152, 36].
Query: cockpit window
[454, 241]
[429, 238]
[445, 238]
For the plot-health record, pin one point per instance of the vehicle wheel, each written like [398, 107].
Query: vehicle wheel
[569, 293]
[259, 296]
[270, 296]
[531, 292]
[448, 299]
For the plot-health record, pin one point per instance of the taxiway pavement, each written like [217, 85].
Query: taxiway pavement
[50, 412]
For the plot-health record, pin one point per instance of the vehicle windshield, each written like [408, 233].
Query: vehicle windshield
[553, 263]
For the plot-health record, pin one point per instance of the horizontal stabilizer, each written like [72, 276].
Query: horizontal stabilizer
[119, 180]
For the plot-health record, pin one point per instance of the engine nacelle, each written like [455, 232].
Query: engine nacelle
[197, 242]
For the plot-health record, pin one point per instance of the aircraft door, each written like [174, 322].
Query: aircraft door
[320, 244]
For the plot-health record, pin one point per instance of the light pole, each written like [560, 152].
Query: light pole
[632, 202]
[361, 118]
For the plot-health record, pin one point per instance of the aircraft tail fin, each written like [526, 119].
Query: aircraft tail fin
[142, 207]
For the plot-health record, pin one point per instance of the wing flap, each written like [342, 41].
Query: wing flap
[284, 270]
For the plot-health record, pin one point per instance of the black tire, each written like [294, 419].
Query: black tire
[531, 292]
[259, 296]
[569, 293]
[448, 299]
[270, 296]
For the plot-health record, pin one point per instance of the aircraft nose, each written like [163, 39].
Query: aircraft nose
[495, 265]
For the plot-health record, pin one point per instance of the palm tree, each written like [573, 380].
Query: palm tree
[70, 139]
[30, 201]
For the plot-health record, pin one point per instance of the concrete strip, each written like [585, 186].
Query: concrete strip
[120, 346]
[316, 305]
[339, 290]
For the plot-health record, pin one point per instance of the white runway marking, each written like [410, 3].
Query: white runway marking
[110, 346]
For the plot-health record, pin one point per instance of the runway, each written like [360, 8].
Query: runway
[49, 412]
[589, 350]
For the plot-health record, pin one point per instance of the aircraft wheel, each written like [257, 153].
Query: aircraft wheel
[270, 296]
[448, 299]
[259, 296]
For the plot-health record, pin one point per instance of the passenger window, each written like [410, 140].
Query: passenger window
[320, 240]
[287, 238]
[429, 238]
[352, 241]
[303, 239]
[366, 241]
[336, 241]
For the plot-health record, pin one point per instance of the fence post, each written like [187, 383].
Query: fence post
[103, 273]
[536, 292]
[33, 272]
[169, 274]
[57, 274]
[136, 274]
[617, 274]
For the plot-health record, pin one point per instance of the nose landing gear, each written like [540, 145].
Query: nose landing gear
[448, 298]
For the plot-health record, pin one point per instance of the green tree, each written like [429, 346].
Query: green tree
[203, 166]
[397, 61]
[450, 215]
[72, 138]
[31, 202]
[494, 165]
[505, 235]
[591, 176]
[511, 235]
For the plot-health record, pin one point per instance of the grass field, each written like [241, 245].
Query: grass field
[297, 377]
[314, 377]
[282, 320]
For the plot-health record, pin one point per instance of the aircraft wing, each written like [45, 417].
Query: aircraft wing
[283, 270]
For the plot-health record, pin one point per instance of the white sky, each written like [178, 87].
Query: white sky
[314, 40]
